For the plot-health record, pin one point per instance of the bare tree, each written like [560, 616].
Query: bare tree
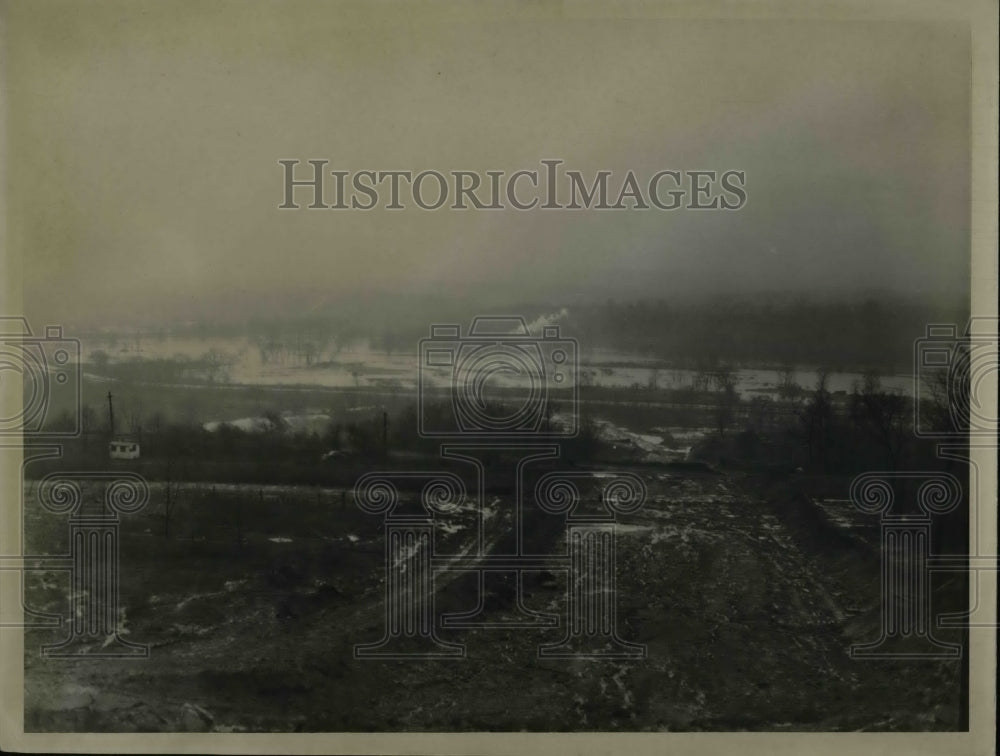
[883, 416]
[88, 424]
[761, 414]
[787, 387]
[168, 503]
[169, 496]
[724, 379]
[946, 409]
[817, 421]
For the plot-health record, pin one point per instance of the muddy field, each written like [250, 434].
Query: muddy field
[746, 613]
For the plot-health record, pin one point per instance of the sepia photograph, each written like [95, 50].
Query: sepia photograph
[502, 377]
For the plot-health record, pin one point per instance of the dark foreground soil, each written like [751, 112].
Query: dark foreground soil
[746, 605]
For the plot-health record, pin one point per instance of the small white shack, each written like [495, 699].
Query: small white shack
[123, 448]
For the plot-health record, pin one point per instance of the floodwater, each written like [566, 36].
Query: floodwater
[240, 360]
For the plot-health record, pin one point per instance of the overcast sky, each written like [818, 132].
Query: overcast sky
[143, 148]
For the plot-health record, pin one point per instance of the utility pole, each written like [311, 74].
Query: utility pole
[385, 435]
[111, 417]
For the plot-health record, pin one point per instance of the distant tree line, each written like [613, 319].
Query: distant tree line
[873, 333]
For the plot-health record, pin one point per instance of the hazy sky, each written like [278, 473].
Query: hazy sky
[144, 139]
